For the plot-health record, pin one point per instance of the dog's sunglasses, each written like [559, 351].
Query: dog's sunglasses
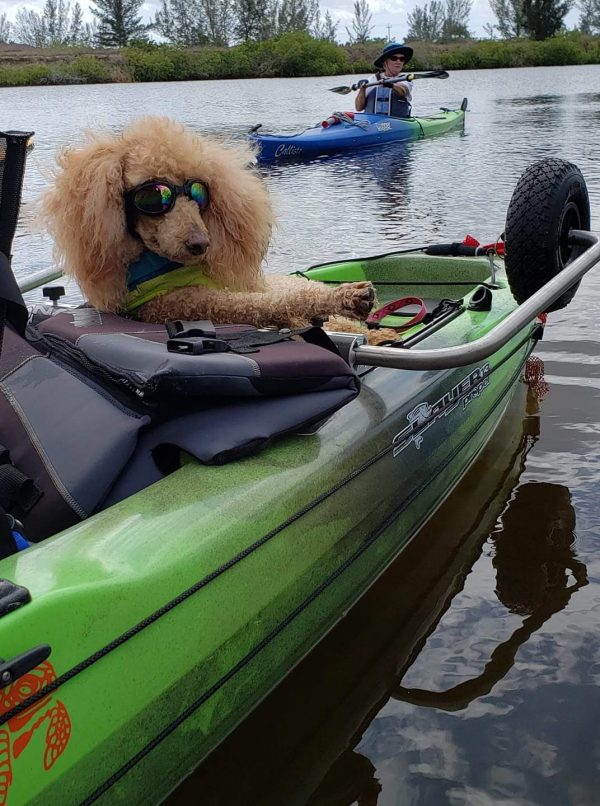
[157, 196]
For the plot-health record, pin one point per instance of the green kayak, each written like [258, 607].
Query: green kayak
[134, 641]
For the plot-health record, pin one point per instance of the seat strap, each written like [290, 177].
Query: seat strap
[17, 491]
[199, 337]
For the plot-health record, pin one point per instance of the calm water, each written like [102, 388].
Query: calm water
[469, 674]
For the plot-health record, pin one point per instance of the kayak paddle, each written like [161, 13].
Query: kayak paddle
[344, 90]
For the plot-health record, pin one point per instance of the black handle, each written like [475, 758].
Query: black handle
[11, 670]
[11, 184]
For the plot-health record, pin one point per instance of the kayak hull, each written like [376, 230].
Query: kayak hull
[366, 131]
[172, 614]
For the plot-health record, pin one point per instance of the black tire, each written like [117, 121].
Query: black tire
[550, 199]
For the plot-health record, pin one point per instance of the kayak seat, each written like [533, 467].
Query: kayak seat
[194, 363]
[94, 407]
[63, 440]
[213, 393]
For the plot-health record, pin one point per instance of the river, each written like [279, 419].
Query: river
[469, 674]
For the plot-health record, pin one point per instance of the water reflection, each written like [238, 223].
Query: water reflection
[306, 743]
[352, 780]
[532, 100]
[537, 572]
[388, 164]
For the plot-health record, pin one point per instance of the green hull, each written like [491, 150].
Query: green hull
[305, 735]
[173, 613]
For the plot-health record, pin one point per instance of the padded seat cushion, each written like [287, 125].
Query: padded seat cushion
[144, 358]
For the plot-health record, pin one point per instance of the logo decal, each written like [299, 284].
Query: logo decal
[287, 151]
[425, 414]
[22, 726]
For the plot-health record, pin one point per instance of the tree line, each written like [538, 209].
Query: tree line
[192, 23]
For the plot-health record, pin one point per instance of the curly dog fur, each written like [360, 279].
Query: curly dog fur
[85, 214]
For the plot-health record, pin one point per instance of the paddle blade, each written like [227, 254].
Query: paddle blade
[341, 90]
[430, 74]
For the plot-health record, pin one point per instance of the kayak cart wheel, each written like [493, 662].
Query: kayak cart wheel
[550, 199]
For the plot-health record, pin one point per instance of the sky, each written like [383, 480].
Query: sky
[389, 17]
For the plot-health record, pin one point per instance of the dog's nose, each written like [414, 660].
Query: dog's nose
[197, 243]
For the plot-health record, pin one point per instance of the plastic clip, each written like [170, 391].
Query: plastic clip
[197, 346]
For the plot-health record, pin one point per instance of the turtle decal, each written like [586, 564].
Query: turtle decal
[19, 730]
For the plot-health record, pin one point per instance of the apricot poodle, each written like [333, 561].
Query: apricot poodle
[168, 224]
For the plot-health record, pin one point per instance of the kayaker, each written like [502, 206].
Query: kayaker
[393, 99]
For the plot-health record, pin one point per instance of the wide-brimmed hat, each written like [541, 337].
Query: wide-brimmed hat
[390, 49]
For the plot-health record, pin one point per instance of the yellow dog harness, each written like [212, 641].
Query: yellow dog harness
[153, 276]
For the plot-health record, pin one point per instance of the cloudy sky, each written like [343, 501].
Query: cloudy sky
[389, 16]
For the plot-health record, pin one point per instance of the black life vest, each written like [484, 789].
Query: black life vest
[384, 101]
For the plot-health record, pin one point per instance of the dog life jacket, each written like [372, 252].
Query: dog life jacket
[384, 101]
[153, 276]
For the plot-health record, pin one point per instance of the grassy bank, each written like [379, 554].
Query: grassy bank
[287, 56]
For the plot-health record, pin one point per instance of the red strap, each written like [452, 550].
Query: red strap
[376, 316]
[497, 246]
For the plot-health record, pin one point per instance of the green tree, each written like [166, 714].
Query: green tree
[256, 20]
[4, 28]
[219, 17]
[326, 28]
[76, 27]
[90, 33]
[29, 28]
[361, 23]
[181, 22]
[118, 22]
[456, 20]
[543, 18]
[589, 19]
[511, 17]
[57, 15]
[296, 15]
[426, 23]
[58, 24]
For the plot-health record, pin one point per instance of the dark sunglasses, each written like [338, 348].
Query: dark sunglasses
[157, 196]
[398, 58]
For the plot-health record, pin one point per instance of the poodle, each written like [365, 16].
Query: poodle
[167, 224]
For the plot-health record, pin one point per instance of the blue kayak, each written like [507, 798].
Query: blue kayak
[351, 131]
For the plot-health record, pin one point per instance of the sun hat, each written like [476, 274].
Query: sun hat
[390, 49]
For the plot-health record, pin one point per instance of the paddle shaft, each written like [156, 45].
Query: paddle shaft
[344, 90]
[405, 77]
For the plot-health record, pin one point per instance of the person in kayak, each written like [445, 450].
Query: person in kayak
[392, 99]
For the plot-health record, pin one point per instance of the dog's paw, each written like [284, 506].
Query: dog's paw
[355, 299]
[382, 335]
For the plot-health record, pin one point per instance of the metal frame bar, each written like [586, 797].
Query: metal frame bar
[460, 356]
[31, 281]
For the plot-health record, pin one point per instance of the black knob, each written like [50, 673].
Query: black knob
[53, 292]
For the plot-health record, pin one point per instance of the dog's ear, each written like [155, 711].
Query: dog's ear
[84, 212]
[239, 218]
